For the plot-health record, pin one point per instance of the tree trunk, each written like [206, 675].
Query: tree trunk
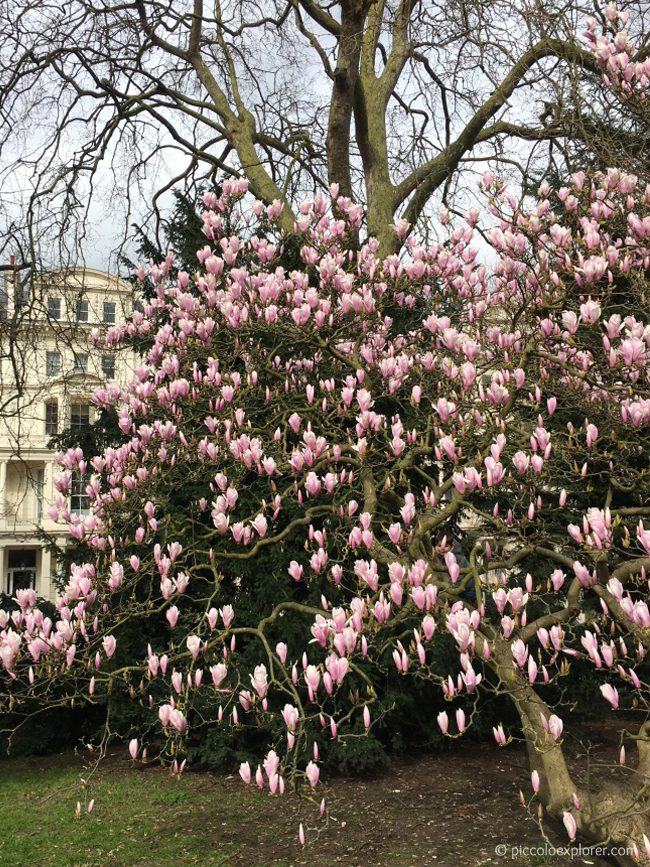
[613, 814]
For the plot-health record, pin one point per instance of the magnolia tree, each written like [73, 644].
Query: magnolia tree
[426, 445]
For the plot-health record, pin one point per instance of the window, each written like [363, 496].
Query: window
[51, 418]
[54, 307]
[21, 290]
[52, 363]
[79, 416]
[108, 366]
[82, 310]
[39, 487]
[109, 312]
[80, 362]
[21, 570]
[79, 499]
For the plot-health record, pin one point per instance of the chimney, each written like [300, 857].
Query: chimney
[19, 292]
[4, 289]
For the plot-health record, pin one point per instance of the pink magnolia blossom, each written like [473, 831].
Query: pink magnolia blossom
[555, 727]
[499, 735]
[570, 825]
[227, 615]
[610, 693]
[245, 772]
[193, 643]
[259, 679]
[312, 773]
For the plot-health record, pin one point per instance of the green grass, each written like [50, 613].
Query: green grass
[139, 819]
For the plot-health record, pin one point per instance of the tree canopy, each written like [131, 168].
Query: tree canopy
[356, 418]
[389, 99]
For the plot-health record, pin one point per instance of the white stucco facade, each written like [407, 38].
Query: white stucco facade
[48, 373]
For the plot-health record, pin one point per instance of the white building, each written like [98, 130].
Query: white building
[48, 372]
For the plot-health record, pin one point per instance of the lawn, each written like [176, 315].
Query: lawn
[448, 809]
[138, 818]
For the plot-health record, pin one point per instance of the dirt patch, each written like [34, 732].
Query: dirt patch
[449, 809]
